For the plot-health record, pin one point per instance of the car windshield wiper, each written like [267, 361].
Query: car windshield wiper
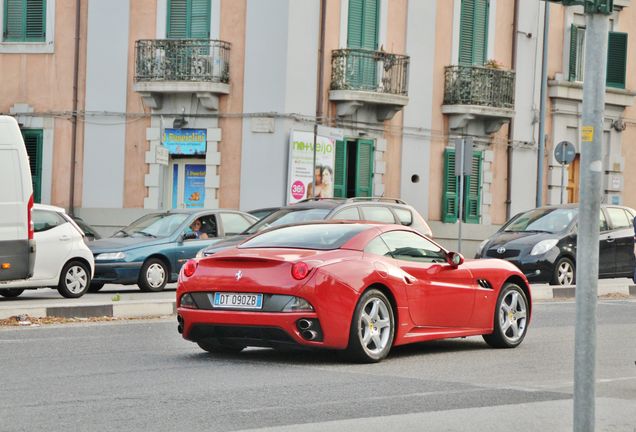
[125, 234]
[144, 233]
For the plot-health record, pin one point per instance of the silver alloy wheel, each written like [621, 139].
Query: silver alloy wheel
[155, 275]
[374, 326]
[76, 279]
[513, 316]
[565, 273]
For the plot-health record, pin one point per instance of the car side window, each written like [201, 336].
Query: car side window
[602, 222]
[377, 214]
[377, 246]
[404, 216]
[45, 220]
[234, 223]
[208, 225]
[350, 213]
[618, 217]
[408, 246]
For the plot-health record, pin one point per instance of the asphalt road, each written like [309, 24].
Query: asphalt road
[142, 376]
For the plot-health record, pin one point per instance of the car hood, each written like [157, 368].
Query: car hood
[518, 240]
[117, 244]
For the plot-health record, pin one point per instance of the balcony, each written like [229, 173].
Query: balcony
[363, 77]
[478, 93]
[182, 66]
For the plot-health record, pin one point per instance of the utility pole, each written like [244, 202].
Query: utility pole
[596, 37]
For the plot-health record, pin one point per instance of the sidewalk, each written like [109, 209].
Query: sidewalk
[128, 302]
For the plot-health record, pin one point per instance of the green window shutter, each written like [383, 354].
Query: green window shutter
[33, 142]
[449, 195]
[573, 52]
[616, 60]
[472, 201]
[370, 27]
[188, 19]
[362, 33]
[364, 168]
[340, 171]
[473, 32]
[25, 20]
[354, 24]
[200, 19]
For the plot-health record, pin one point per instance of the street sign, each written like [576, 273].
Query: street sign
[565, 152]
[464, 156]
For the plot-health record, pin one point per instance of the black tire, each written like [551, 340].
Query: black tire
[75, 279]
[95, 287]
[511, 318]
[370, 342]
[219, 348]
[153, 276]
[11, 292]
[564, 272]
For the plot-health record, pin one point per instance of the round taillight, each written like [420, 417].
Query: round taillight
[190, 267]
[300, 270]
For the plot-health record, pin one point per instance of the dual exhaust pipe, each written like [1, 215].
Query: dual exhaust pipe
[306, 328]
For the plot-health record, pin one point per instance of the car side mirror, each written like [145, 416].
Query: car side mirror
[188, 236]
[455, 259]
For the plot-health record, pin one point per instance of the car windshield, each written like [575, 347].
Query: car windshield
[551, 220]
[153, 225]
[288, 216]
[317, 236]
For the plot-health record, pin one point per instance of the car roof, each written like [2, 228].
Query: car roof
[47, 207]
[576, 205]
[331, 203]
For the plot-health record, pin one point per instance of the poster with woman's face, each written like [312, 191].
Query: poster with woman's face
[302, 171]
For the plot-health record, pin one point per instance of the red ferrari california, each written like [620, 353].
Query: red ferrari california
[358, 287]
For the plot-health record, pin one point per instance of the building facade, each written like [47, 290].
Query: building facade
[130, 106]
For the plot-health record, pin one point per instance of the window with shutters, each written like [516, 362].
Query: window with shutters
[24, 21]
[188, 19]
[616, 57]
[362, 33]
[353, 169]
[471, 209]
[33, 142]
[473, 32]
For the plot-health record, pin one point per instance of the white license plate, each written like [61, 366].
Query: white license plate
[237, 300]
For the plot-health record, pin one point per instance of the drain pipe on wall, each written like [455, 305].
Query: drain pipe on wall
[515, 28]
[71, 204]
[319, 87]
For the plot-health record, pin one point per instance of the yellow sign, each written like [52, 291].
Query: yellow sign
[587, 133]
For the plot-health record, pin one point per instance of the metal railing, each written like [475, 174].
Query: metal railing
[367, 70]
[182, 60]
[478, 85]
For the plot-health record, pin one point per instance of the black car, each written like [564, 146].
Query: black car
[388, 210]
[542, 243]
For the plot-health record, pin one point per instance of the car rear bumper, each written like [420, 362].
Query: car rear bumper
[120, 272]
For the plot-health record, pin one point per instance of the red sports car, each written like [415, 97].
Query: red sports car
[357, 287]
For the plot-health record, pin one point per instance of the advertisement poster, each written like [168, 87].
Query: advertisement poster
[301, 162]
[185, 141]
[194, 186]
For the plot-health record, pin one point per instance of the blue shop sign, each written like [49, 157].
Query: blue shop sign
[185, 141]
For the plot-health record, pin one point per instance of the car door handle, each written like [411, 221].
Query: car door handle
[65, 238]
[610, 239]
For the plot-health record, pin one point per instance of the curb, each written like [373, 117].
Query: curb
[548, 292]
[123, 309]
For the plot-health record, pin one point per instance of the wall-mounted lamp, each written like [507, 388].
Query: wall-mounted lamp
[179, 122]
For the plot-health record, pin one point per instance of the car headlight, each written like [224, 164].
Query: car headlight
[110, 256]
[543, 246]
[481, 246]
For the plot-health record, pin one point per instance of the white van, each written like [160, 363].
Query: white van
[17, 246]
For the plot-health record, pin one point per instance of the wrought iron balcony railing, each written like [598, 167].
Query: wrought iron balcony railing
[478, 85]
[182, 60]
[366, 70]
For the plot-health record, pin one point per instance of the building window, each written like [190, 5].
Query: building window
[353, 170]
[33, 142]
[188, 19]
[616, 57]
[24, 21]
[362, 33]
[473, 32]
[472, 189]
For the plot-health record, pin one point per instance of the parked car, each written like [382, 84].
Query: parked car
[263, 212]
[151, 250]
[542, 243]
[359, 287]
[62, 261]
[387, 210]
[90, 233]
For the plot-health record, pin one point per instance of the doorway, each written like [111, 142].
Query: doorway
[573, 180]
[187, 183]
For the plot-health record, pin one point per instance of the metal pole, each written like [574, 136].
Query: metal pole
[589, 208]
[313, 169]
[544, 86]
[562, 182]
[460, 206]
